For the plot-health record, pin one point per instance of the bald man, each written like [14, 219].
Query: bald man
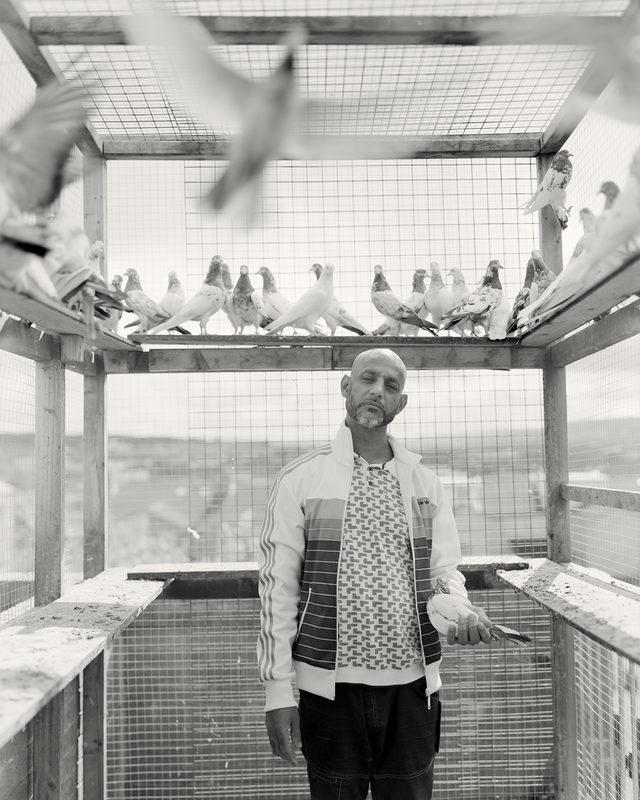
[355, 535]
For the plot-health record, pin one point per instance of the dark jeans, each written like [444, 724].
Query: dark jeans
[385, 736]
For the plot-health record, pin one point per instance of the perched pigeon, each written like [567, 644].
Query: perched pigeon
[438, 298]
[552, 190]
[498, 319]
[445, 608]
[94, 256]
[228, 306]
[308, 309]
[477, 307]
[35, 149]
[610, 190]
[415, 302]
[242, 300]
[542, 275]
[394, 311]
[147, 310]
[115, 314]
[337, 316]
[273, 303]
[203, 305]
[589, 223]
[174, 298]
[523, 298]
[457, 293]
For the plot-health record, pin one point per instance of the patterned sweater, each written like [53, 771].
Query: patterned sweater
[299, 565]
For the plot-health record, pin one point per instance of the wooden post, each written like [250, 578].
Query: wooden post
[95, 504]
[556, 457]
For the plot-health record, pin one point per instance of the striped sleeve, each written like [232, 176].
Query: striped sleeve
[280, 557]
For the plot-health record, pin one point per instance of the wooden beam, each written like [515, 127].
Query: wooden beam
[15, 24]
[94, 179]
[22, 340]
[48, 647]
[95, 472]
[616, 327]
[15, 767]
[49, 480]
[595, 495]
[604, 609]
[239, 579]
[358, 30]
[296, 354]
[93, 729]
[55, 317]
[622, 281]
[55, 746]
[353, 147]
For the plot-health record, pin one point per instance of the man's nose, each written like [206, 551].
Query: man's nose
[376, 389]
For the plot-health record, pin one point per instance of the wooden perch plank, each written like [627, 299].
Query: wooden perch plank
[618, 286]
[240, 579]
[46, 648]
[464, 146]
[359, 30]
[18, 338]
[605, 609]
[594, 495]
[614, 328]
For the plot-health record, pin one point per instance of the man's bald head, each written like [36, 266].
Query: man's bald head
[379, 356]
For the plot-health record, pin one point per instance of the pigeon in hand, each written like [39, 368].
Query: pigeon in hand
[445, 608]
[35, 149]
[552, 190]
[477, 307]
[337, 316]
[394, 311]
[243, 303]
[147, 310]
[523, 298]
[308, 309]
[204, 304]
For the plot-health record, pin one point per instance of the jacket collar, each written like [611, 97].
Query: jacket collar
[342, 447]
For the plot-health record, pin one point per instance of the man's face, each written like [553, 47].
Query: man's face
[373, 392]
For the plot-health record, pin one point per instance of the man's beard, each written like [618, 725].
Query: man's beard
[367, 416]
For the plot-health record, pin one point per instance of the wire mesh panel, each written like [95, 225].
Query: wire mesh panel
[608, 723]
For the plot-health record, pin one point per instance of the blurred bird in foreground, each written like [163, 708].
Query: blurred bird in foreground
[308, 308]
[203, 305]
[606, 254]
[337, 316]
[446, 608]
[552, 190]
[477, 307]
[394, 311]
[147, 310]
[243, 302]
[35, 149]
[589, 223]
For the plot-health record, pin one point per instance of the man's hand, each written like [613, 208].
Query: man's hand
[472, 629]
[283, 726]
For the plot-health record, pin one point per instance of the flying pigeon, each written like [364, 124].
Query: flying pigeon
[522, 298]
[147, 310]
[445, 608]
[308, 309]
[23, 249]
[243, 303]
[589, 224]
[552, 190]
[35, 149]
[477, 307]
[337, 316]
[203, 305]
[394, 311]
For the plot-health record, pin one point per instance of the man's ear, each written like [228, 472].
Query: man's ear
[345, 383]
[403, 402]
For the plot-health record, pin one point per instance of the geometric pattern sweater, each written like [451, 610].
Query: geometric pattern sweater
[377, 629]
[299, 559]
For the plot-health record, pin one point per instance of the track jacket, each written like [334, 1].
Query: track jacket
[299, 557]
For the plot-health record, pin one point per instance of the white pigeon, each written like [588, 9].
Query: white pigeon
[610, 190]
[308, 308]
[438, 298]
[115, 314]
[458, 291]
[204, 304]
[498, 319]
[393, 310]
[174, 299]
[337, 316]
[476, 308]
[552, 190]
[589, 224]
[147, 310]
[35, 149]
[274, 304]
[607, 251]
[445, 608]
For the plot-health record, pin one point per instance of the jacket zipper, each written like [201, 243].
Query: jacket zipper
[304, 613]
[344, 516]
[415, 597]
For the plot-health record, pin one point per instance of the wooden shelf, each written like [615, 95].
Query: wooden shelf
[57, 318]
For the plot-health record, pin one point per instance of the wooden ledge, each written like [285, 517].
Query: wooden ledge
[239, 579]
[46, 648]
[603, 608]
